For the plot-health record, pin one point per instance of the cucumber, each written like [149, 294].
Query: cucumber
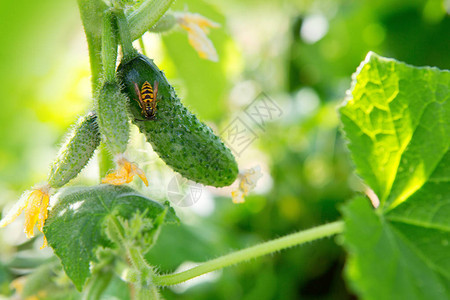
[76, 151]
[113, 122]
[183, 142]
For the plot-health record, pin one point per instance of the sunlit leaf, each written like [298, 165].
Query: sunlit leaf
[397, 124]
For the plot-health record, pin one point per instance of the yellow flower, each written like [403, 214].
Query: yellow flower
[35, 202]
[125, 172]
[197, 27]
[247, 182]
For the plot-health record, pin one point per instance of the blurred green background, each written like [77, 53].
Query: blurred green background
[299, 53]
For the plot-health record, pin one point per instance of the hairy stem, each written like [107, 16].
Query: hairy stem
[109, 46]
[148, 290]
[251, 252]
[125, 38]
[148, 13]
[141, 285]
[150, 293]
[91, 12]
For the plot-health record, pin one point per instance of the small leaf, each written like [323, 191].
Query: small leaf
[398, 127]
[75, 226]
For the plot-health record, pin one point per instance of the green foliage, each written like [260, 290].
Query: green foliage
[395, 259]
[83, 210]
[399, 135]
[181, 140]
[397, 124]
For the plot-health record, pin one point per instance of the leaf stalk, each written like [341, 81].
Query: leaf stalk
[272, 246]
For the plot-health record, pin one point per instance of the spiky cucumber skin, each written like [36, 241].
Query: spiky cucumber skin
[113, 117]
[76, 151]
[185, 143]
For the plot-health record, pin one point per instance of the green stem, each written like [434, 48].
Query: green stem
[109, 46]
[142, 286]
[147, 15]
[105, 161]
[124, 31]
[136, 257]
[147, 293]
[251, 252]
[95, 60]
[91, 12]
[143, 291]
[142, 45]
[91, 16]
[97, 285]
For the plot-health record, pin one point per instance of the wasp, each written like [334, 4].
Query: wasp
[147, 99]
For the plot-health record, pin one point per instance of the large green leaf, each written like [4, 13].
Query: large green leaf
[398, 126]
[75, 226]
[395, 260]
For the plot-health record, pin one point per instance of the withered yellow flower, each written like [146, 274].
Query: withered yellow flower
[125, 172]
[35, 203]
[197, 27]
[247, 182]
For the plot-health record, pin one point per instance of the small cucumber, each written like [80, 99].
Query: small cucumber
[76, 152]
[113, 117]
[180, 139]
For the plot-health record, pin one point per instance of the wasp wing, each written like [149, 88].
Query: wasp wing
[155, 90]
[138, 93]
